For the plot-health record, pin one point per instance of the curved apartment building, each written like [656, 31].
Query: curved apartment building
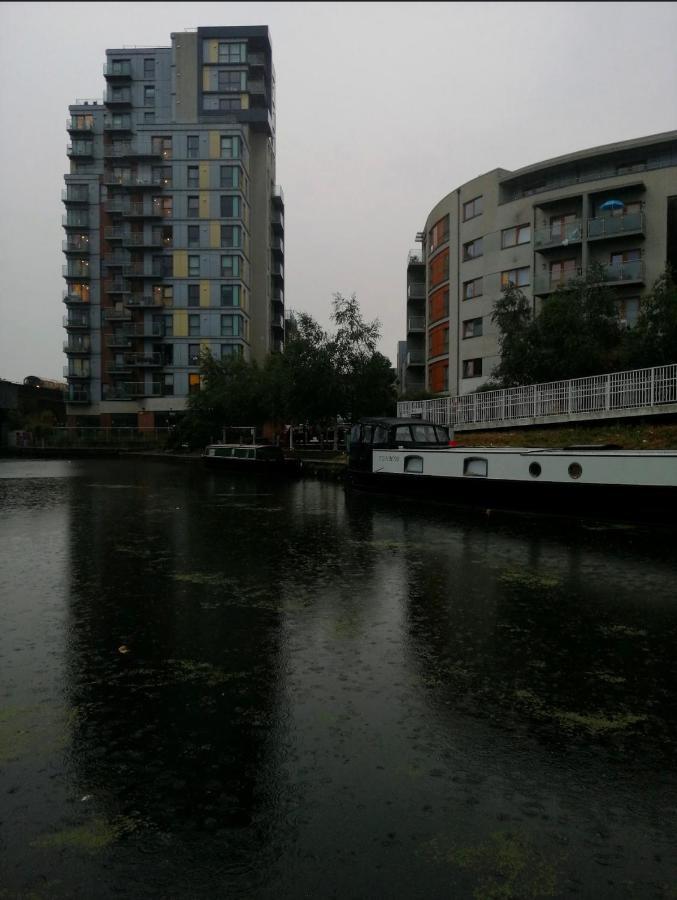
[537, 227]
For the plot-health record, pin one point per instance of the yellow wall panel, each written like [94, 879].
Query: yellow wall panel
[204, 204]
[214, 145]
[204, 176]
[180, 323]
[204, 293]
[212, 51]
[244, 100]
[214, 234]
[206, 80]
[180, 264]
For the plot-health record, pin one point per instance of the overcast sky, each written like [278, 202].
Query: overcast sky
[382, 109]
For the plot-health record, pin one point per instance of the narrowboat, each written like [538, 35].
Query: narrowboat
[248, 457]
[415, 457]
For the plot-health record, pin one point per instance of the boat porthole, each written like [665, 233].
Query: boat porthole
[575, 470]
[535, 469]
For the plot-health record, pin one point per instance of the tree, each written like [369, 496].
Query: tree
[653, 342]
[512, 317]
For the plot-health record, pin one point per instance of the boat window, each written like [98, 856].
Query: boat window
[535, 469]
[425, 434]
[575, 470]
[380, 435]
[222, 451]
[475, 466]
[355, 434]
[403, 434]
[442, 434]
[240, 452]
[413, 464]
[367, 434]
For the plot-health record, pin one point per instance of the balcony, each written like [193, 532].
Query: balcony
[77, 345]
[625, 273]
[278, 196]
[138, 239]
[114, 233]
[416, 358]
[277, 321]
[146, 360]
[277, 270]
[76, 270]
[143, 301]
[130, 390]
[545, 283]
[119, 341]
[256, 86]
[116, 315]
[415, 258]
[81, 372]
[137, 270]
[72, 299]
[76, 321]
[77, 394]
[256, 59]
[78, 244]
[145, 211]
[117, 123]
[415, 324]
[278, 297]
[120, 70]
[277, 246]
[128, 180]
[115, 206]
[120, 366]
[75, 221]
[71, 195]
[128, 150]
[615, 226]
[116, 261]
[277, 220]
[416, 291]
[118, 98]
[80, 148]
[559, 235]
[80, 125]
[117, 286]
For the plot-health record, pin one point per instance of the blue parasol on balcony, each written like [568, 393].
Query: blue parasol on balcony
[613, 204]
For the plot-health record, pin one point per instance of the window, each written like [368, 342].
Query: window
[438, 305]
[193, 235]
[562, 271]
[168, 324]
[149, 117]
[472, 328]
[230, 295]
[193, 207]
[230, 177]
[230, 146]
[438, 376]
[193, 146]
[473, 208]
[230, 207]
[231, 326]
[472, 368]
[229, 80]
[230, 350]
[617, 259]
[413, 465]
[473, 249]
[193, 265]
[162, 146]
[193, 295]
[230, 266]
[517, 277]
[193, 354]
[403, 434]
[230, 236]
[438, 340]
[475, 467]
[193, 325]
[163, 206]
[193, 179]
[163, 265]
[473, 288]
[193, 383]
[511, 237]
[162, 175]
[438, 269]
[164, 294]
[149, 95]
[149, 68]
[232, 52]
[438, 234]
[168, 385]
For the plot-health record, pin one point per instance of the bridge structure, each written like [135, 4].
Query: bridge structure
[636, 392]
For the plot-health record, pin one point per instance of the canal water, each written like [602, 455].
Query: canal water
[217, 686]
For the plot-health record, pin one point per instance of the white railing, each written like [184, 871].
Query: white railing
[598, 396]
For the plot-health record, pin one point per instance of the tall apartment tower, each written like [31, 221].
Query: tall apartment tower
[174, 224]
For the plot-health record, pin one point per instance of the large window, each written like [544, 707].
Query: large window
[516, 277]
[439, 340]
[231, 236]
[193, 295]
[230, 350]
[162, 175]
[563, 270]
[193, 383]
[193, 325]
[149, 68]
[473, 208]
[511, 237]
[230, 207]
[193, 235]
[438, 376]
[230, 295]
[230, 176]
[232, 52]
[473, 288]
[229, 80]
[193, 265]
[193, 211]
[230, 266]
[193, 146]
[438, 305]
[231, 326]
[472, 328]
[149, 95]
[230, 146]
[193, 179]
[472, 368]
[438, 268]
[473, 249]
[162, 145]
[193, 354]
[438, 234]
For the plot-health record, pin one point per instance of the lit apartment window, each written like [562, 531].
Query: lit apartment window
[230, 266]
[230, 295]
[230, 236]
[230, 207]
[473, 288]
[472, 328]
[230, 146]
[230, 177]
[164, 294]
[163, 146]
[193, 177]
[193, 326]
[473, 249]
[193, 295]
[472, 368]
[193, 146]
[511, 237]
[193, 210]
[193, 383]
[473, 208]
[516, 277]
[193, 266]
[193, 235]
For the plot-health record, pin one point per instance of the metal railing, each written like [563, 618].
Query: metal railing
[610, 226]
[416, 323]
[92, 437]
[416, 358]
[568, 233]
[597, 396]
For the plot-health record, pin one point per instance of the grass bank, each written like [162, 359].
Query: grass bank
[630, 436]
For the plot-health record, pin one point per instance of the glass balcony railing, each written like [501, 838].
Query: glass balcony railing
[75, 270]
[77, 345]
[416, 358]
[612, 226]
[416, 323]
[76, 321]
[558, 235]
[81, 371]
[73, 195]
[70, 298]
[77, 395]
[627, 271]
[546, 282]
[416, 291]
[121, 69]
[80, 148]
[76, 245]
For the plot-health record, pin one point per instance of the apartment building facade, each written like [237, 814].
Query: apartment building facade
[174, 224]
[538, 227]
